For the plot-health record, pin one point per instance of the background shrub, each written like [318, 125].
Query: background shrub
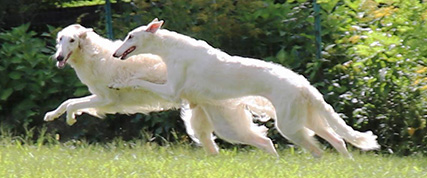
[378, 77]
[29, 82]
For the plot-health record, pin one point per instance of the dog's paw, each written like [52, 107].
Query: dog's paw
[71, 118]
[71, 122]
[50, 116]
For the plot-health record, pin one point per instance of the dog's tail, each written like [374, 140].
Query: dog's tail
[362, 140]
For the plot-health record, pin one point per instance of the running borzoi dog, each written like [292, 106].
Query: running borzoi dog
[200, 74]
[91, 57]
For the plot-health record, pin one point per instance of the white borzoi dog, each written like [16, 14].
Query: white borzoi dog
[91, 57]
[200, 74]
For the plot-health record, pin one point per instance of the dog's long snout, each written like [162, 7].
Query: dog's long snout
[60, 58]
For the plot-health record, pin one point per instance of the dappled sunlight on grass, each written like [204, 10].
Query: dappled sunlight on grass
[143, 159]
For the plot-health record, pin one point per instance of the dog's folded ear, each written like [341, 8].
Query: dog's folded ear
[84, 32]
[154, 25]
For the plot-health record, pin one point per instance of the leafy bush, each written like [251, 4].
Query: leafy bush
[378, 77]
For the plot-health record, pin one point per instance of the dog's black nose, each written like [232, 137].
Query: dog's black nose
[115, 55]
[60, 58]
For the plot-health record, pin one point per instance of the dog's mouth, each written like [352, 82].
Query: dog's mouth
[61, 63]
[128, 51]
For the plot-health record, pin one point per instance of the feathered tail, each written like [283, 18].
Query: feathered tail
[363, 140]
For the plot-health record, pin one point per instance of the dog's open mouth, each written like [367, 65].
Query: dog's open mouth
[128, 51]
[61, 64]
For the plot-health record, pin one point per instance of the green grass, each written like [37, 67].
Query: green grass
[142, 159]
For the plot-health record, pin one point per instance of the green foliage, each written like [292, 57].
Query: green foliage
[379, 70]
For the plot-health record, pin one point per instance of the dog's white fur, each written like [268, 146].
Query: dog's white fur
[200, 74]
[91, 57]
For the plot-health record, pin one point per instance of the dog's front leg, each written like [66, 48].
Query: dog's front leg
[165, 90]
[73, 107]
[52, 115]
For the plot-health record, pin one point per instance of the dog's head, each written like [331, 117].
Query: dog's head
[68, 41]
[137, 38]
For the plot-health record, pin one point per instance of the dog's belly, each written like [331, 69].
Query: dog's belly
[134, 100]
[218, 86]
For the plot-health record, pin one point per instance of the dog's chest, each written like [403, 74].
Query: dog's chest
[96, 81]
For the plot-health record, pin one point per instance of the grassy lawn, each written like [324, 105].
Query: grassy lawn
[141, 159]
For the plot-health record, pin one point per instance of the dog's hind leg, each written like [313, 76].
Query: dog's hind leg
[261, 142]
[304, 139]
[234, 124]
[291, 121]
[336, 141]
[203, 130]
[251, 134]
[319, 126]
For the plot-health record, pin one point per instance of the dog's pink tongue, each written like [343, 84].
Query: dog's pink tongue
[60, 64]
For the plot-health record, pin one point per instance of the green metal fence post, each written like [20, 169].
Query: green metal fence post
[317, 30]
[108, 20]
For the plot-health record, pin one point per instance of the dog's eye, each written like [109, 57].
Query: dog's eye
[60, 39]
[72, 40]
[130, 37]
